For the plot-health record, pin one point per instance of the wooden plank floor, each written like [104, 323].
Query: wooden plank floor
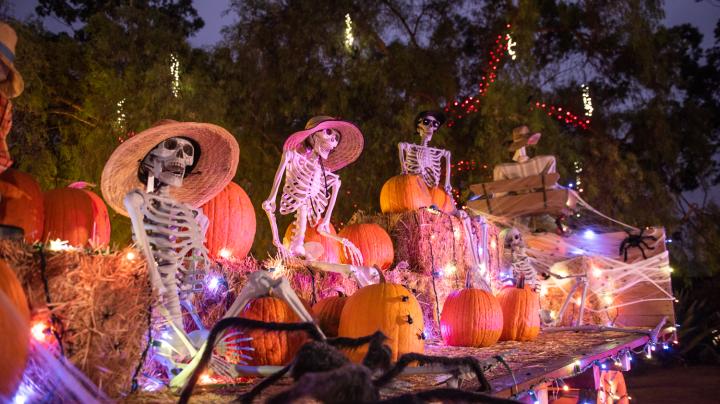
[551, 355]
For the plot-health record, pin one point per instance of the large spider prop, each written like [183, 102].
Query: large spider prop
[323, 372]
[635, 240]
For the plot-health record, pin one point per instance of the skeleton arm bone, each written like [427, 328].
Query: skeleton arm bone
[448, 157]
[133, 201]
[269, 205]
[402, 149]
[324, 227]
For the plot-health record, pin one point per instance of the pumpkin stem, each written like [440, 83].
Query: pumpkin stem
[382, 277]
[521, 282]
[340, 293]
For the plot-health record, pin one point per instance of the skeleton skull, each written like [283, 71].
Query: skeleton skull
[325, 141]
[514, 240]
[169, 160]
[426, 128]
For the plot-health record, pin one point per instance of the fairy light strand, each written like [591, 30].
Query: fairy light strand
[587, 100]
[349, 37]
[175, 75]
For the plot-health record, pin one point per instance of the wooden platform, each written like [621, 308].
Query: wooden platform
[552, 355]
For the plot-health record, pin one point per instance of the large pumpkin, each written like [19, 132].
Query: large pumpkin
[21, 203]
[76, 215]
[10, 285]
[442, 200]
[373, 242]
[272, 347]
[327, 312]
[385, 307]
[15, 326]
[471, 317]
[232, 222]
[331, 248]
[521, 312]
[403, 193]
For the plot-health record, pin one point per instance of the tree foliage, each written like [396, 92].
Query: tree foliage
[654, 133]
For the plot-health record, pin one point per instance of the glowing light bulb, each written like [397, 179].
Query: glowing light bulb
[225, 253]
[589, 234]
[493, 244]
[596, 272]
[565, 387]
[577, 363]
[38, 330]
[205, 379]
[608, 299]
[449, 269]
[213, 283]
[130, 256]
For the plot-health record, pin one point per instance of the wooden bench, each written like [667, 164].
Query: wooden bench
[532, 195]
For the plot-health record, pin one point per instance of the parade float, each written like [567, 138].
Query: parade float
[493, 301]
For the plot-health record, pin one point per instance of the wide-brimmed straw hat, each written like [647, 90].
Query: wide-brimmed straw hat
[14, 84]
[521, 137]
[217, 161]
[348, 149]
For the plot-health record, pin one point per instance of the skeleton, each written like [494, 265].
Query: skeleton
[310, 192]
[171, 235]
[519, 261]
[425, 161]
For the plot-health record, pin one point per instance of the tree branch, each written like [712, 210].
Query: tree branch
[395, 11]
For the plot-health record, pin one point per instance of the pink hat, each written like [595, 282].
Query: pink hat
[348, 149]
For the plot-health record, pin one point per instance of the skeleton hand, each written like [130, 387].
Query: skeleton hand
[323, 227]
[269, 205]
[353, 252]
[283, 251]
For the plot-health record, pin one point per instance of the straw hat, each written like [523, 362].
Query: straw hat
[521, 137]
[217, 161]
[13, 85]
[348, 149]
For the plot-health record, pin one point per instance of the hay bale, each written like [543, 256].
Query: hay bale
[436, 255]
[102, 302]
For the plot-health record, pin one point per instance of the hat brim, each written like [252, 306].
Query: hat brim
[348, 149]
[527, 141]
[14, 84]
[218, 161]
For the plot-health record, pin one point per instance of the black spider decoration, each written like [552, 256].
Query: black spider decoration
[324, 373]
[635, 240]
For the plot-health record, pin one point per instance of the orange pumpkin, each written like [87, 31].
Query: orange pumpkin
[373, 242]
[232, 222]
[520, 308]
[471, 317]
[272, 347]
[10, 285]
[331, 248]
[14, 347]
[74, 215]
[15, 326]
[328, 311]
[22, 203]
[442, 200]
[403, 193]
[386, 307]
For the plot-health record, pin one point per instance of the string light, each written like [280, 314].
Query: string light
[468, 105]
[510, 47]
[225, 253]
[130, 256]
[577, 168]
[39, 330]
[587, 101]
[120, 119]
[349, 38]
[175, 74]
[562, 115]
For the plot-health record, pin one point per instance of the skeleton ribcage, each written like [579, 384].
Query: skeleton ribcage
[306, 184]
[521, 266]
[177, 243]
[425, 162]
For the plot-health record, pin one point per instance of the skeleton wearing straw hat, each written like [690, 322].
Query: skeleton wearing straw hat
[11, 85]
[159, 178]
[422, 160]
[309, 161]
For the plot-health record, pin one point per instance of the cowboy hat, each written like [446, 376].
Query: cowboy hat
[13, 85]
[521, 137]
[217, 161]
[349, 147]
